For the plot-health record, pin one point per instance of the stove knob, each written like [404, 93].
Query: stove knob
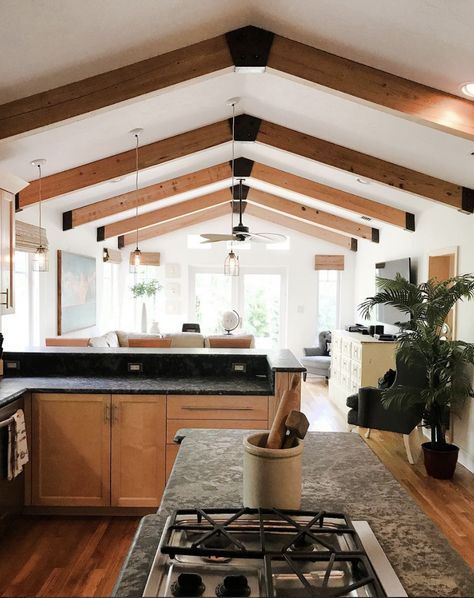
[188, 584]
[233, 585]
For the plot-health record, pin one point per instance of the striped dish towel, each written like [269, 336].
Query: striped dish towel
[17, 445]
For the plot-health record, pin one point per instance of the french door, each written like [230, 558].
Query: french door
[258, 295]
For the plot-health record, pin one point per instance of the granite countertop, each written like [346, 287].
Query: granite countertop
[278, 360]
[11, 388]
[340, 473]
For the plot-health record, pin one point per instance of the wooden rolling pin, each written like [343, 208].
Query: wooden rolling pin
[289, 402]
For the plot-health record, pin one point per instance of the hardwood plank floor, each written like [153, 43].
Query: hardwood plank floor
[63, 556]
[449, 503]
[82, 556]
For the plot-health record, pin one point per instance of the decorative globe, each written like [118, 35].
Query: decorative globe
[230, 320]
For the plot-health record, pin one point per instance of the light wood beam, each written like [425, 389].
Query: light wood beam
[124, 163]
[115, 86]
[147, 195]
[302, 227]
[409, 99]
[299, 210]
[366, 166]
[161, 215]
[336, 197]
[173, 225]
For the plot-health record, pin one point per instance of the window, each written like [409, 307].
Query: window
[328, 300]
[21, 328]
[257, 295]
[142, 311]
[110, 297]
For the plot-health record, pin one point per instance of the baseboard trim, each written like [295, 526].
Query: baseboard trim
[466, 459]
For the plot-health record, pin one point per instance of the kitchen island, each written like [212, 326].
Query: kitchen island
[340, 473]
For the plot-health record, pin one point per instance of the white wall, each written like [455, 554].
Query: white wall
[298, 263]
[81, 240]
[437, 228]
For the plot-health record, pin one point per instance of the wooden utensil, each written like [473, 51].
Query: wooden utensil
[297, 424]
[289, 402]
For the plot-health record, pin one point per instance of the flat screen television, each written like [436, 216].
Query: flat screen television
[387, 314]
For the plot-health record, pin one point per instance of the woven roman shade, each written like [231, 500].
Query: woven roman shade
[148, 258]
[329, 262]
[27, 237]
[112, 256]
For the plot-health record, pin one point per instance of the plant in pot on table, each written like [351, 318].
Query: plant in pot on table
[447, 362]
[146, 289]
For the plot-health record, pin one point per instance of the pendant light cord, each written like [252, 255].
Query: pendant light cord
[136, 184]
[233, 172]
[39, 195]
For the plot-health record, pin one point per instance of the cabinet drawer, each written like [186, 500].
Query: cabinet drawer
[355, 373]
[345, 365]
[175, 424]
[356, 351]
[346, 347]
[217, 407]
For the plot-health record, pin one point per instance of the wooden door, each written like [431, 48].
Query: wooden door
[138, 450]
[71, 450]
[7, 252]
[441, 267]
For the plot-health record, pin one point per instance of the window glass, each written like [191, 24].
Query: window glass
[261, 309]
[328, 300]
[212, 297]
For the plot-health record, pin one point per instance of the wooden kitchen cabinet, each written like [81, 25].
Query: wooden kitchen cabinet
[7, 252]
[71, 450]
[138, 450]
[98, 450]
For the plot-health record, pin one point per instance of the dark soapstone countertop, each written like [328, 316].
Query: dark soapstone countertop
[11, 388]
[278, 360]
[340, 472]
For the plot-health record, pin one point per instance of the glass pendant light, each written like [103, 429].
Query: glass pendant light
[231, 262]
[136, 256]
[40, 257]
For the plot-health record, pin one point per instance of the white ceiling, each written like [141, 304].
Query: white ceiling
[429, 41]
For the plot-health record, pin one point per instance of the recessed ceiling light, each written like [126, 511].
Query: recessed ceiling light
[468, 89]
[362, 181]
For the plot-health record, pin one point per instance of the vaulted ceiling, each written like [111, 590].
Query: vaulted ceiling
[331, 146]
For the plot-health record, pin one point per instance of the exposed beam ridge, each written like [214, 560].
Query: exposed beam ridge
[364, 165]
[106, 89]
[336, 197]
[409, 99]
[171, 226]
[146, 195]
[156, 216]
[299, 210]
[302, 227]
[121, 164]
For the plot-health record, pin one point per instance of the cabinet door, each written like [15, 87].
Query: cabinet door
[138, 450]
[7, 251]
[71, 450]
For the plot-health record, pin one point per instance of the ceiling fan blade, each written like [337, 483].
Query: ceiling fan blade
[268, 237]
[216, 238]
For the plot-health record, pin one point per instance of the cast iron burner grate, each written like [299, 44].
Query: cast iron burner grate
[287, 541]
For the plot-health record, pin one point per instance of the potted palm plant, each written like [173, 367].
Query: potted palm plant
[447, 362]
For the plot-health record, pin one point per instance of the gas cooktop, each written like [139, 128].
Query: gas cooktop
[269, 552]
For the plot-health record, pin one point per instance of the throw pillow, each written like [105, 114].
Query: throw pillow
[388, 379]
[328, 348]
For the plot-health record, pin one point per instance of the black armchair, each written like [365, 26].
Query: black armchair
[367, 411]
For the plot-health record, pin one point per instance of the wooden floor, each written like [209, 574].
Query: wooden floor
[82, 556]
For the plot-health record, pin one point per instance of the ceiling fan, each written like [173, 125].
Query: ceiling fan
[240, 233]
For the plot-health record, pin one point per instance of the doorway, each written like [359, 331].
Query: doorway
[443, 264]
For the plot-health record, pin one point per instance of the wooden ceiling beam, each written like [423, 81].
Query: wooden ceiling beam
[408, 99]
[313, 215]
[122, 164]
[161, 215]
[336, 197]
[132, 199]
[171, 226]
[366, 166]
[302, 227]
[119, 85]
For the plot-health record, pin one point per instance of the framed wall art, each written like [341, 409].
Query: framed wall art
[76, 292]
